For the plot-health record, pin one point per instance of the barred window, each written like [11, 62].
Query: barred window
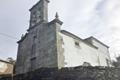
[77, 44]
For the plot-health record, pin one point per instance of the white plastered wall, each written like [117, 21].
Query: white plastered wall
[77, 55]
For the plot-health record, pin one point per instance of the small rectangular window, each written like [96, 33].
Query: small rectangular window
[33, 50]
[77, 43]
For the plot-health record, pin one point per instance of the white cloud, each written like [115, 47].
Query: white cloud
[109, 12]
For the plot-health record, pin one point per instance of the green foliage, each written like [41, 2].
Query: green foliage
[117, 62]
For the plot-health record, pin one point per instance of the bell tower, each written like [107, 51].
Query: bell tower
[39, 13]
[41, 46]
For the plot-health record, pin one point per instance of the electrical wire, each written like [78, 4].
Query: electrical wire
[9, 36]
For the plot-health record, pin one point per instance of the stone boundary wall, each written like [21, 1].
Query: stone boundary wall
[76, 73]
[5, 77]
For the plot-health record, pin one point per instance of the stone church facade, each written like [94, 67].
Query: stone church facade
[46, 45]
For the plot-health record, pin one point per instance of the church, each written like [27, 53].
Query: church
[46, 45]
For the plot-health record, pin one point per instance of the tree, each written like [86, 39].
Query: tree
[11, 60]
[117, 62]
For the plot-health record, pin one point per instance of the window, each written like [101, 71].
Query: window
[77, 44]
[35, 37]
[33, 50]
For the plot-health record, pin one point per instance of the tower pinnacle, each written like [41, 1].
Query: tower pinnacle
[46, 0]
[57, 16]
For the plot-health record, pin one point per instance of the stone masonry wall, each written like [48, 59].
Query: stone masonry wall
[76, 73]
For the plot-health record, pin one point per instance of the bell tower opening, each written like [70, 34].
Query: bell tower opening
[39, 13]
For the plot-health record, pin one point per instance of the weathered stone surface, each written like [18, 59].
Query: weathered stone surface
[40, 47]
[77, 73]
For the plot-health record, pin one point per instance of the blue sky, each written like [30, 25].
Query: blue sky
[98, 18]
